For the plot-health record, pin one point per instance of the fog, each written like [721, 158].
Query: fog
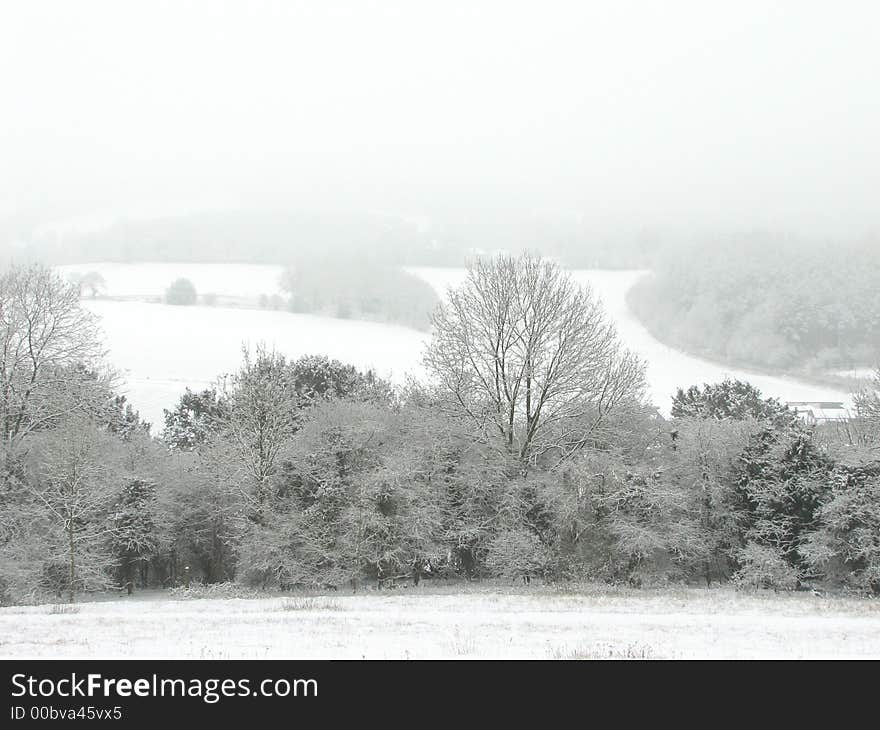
[687, 115]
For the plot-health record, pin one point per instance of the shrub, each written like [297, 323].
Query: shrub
[92, 282]
[844, 548]
[63, 609]
[181, 292]
[517, 552]
[764, 567]
[212, 590]
[309, 604]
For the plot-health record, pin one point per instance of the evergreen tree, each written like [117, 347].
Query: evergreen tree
[136, 536]
[729, 399]
[783, 483]
[195, 417]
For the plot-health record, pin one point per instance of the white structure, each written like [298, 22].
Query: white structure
[819, 411]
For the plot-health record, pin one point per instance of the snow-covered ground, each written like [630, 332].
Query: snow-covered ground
[417, 623]
[857, 373]
[161, 350]
[152, 279]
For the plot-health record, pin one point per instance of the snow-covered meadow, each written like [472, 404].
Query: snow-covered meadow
[453, 622]
[152, 279]
[160, 350]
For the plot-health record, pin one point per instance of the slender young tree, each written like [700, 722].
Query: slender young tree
[262, 415]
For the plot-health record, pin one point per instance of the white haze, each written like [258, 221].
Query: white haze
[697, 115]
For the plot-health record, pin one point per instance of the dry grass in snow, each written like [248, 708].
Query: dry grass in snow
[452, 622]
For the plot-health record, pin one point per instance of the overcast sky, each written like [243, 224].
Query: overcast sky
[724, 114]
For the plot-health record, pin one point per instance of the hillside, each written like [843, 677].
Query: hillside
[781, 307]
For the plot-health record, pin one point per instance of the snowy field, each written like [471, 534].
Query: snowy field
[152, 279]
[160, 350]
[857, 373]
[464, 622]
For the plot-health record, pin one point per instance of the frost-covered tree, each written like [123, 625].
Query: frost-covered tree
[194, 419]
[703, 465]
[360, 495]
[309, 380]
[785, 478]
[72, 485]
[867, 403]
[668, 512]
[844, 546]
[263, 413]
[92, 282]
[517, 552]
[124, 420]
[135, 537]
[181, 292]
[316, 377]
[50, 351]
[202, 513]
[529, 358]
[733, 399]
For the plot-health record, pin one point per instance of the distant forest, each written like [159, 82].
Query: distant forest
[763, 299]
[773, 304]
[367, 291]
[241, 237]
[281, 238]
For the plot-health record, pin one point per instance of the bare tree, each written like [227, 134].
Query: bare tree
[263, 413]
[49, 346]
[91, 281]
[72, 480]
[867, 402]
[529, 356]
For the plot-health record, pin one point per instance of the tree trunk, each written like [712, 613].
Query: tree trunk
[72, 574]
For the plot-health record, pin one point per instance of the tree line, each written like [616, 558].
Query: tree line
[777, 304]
[358, 289]
[344, 234]
[528, 451]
